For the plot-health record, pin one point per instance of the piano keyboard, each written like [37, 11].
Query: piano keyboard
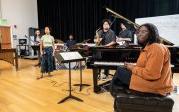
[109, 63]
[114, 63]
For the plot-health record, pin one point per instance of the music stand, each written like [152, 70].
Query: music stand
[68, 57]
[81, 84]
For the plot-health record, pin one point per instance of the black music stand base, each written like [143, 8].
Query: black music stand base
[81, 85]
[68, 97]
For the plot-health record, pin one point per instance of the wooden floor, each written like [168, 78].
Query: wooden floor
[21, 92]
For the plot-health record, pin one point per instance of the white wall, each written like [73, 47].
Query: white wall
[0, 9]
[22, 13]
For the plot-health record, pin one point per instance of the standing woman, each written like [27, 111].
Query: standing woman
[47, 53]
[152, 73]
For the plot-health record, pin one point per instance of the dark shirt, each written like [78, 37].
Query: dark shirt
[125, 34]
[70, 43]
[107, 37]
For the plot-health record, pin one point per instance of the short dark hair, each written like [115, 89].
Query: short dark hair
[153, 33]
[106, 20]
[71, 35]
[125, 24]
[37, 29]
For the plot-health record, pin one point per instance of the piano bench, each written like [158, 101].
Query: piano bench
[135, 103]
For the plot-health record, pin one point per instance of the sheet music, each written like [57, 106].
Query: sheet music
[71, 55]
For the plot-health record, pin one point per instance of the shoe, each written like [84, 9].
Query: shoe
[39, 77]
[104, 77]
[49, 75]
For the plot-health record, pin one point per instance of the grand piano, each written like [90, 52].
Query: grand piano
[112, 57]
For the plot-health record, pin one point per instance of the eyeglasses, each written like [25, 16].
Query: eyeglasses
[141, 31]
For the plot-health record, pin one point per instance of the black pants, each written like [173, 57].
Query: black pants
[122, 77]
[98, 56]
[120, 82]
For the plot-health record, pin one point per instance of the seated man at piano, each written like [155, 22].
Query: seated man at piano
[152, 74]
[105, 37]
[125, 35]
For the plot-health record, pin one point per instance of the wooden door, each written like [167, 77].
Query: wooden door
[5, 37]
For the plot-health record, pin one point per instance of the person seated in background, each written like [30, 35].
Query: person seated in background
[71, 42]
[37, 42]
[152, 73]
[37, 37]
[125, 35]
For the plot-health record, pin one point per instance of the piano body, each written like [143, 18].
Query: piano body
[111, 58]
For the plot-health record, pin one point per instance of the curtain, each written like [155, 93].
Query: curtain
[83, 17]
